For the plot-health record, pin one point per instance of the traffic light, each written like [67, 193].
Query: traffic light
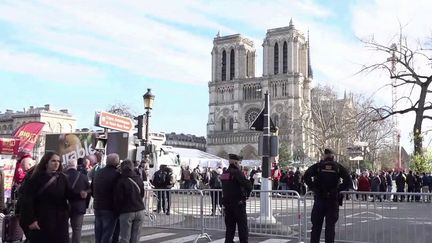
[139, 126]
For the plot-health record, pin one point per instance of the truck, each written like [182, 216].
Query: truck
[81, 144]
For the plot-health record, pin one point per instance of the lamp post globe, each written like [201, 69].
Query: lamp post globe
[148, 100]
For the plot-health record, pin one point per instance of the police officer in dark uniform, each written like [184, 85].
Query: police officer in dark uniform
[326, 186]
[235, 191]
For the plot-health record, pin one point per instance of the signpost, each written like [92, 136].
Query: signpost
[115, 122]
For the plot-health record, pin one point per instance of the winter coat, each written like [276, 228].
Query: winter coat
[79, 205]
[375, 184]
[128, 195]
[102, 186]
[49, 207]
[363, 184]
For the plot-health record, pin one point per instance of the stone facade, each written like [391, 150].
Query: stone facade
[185, 141]
[237, 96]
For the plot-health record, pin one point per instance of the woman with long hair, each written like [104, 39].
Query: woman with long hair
[45, 207]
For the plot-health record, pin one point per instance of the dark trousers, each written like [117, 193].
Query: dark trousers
[216, 199]
[235, 214]
[164, 201]
[328, 208]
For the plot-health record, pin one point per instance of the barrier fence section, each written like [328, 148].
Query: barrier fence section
[202, 209]
[363, 217]
[379, 217]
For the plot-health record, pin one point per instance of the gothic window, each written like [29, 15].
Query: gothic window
[223, 128]
[224, 65]
[276, 58]
[251, 115]
[284, 120]
[275, 119]
[285, 58]
[232, 94]
[247, 64]
[284, 89]
[10, 128]
[231, 124]
[222, 95]
[232, 65]
[274, 89]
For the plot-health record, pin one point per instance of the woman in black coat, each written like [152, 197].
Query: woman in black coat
[45, 207]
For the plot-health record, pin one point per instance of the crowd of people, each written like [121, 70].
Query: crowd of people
[50, 198]
[392, 181]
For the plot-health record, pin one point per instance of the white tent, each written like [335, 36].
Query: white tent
[194, 157]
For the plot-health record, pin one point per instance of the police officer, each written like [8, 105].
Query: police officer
[235, 191]
[326, 186]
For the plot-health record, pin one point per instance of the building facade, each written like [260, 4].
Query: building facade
[55, 122]
[185, 141]
[236, 96]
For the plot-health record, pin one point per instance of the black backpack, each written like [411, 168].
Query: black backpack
[216, 181]
[160, 178]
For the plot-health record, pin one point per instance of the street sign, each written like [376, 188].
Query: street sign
[115, 122]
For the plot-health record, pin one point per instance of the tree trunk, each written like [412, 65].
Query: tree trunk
[417, 129]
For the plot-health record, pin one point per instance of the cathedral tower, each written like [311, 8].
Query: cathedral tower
[236, 95]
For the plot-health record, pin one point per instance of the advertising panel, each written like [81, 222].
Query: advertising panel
[79, 145]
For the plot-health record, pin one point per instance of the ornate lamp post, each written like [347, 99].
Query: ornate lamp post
[148, 105]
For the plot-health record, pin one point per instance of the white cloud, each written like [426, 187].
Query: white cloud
[46, 68]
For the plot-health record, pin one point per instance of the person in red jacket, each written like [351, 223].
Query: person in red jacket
[23, 164]
[364, 185]
[276, 175]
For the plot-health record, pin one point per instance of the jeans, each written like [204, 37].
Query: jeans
[164, 201]
[130, 226]
[76, 221]
[105, 222]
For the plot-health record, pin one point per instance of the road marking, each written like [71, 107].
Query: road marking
[223, 240]
[155, 236]
[182, 239]
[275, 241]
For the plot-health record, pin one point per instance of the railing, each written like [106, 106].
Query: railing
[364, 216]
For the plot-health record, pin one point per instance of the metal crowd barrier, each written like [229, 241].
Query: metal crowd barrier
[364, 216]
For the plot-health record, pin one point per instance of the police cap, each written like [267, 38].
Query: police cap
[235, 157]
[328, 151]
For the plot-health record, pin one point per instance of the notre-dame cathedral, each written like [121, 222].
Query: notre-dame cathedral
[236, 96]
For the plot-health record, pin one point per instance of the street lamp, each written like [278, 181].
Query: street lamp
[148, 105]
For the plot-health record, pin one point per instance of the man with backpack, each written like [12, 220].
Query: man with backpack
[326, 186]
[216, 183]
[160, 179]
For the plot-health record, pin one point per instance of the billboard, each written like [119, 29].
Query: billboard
[79, 145]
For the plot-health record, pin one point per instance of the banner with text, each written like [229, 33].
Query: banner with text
[28, 134]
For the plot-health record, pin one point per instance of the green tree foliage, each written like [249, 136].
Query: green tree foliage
[285, 156]
[421, 162]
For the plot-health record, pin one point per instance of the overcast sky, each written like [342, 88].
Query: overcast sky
[87, 55]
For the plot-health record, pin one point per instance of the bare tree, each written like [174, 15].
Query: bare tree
[408, 67]
[338, 123]
[122, 110]
[333, 120]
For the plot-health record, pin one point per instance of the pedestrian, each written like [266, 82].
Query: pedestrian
[323, 178]
[78, 207]
[102, 187]
[128, 203]
[160, 178]
[169, 184]
[235, 191]
[216, 183]
[410, 181]
[45, 205]
[400, 186]
[364, 185]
